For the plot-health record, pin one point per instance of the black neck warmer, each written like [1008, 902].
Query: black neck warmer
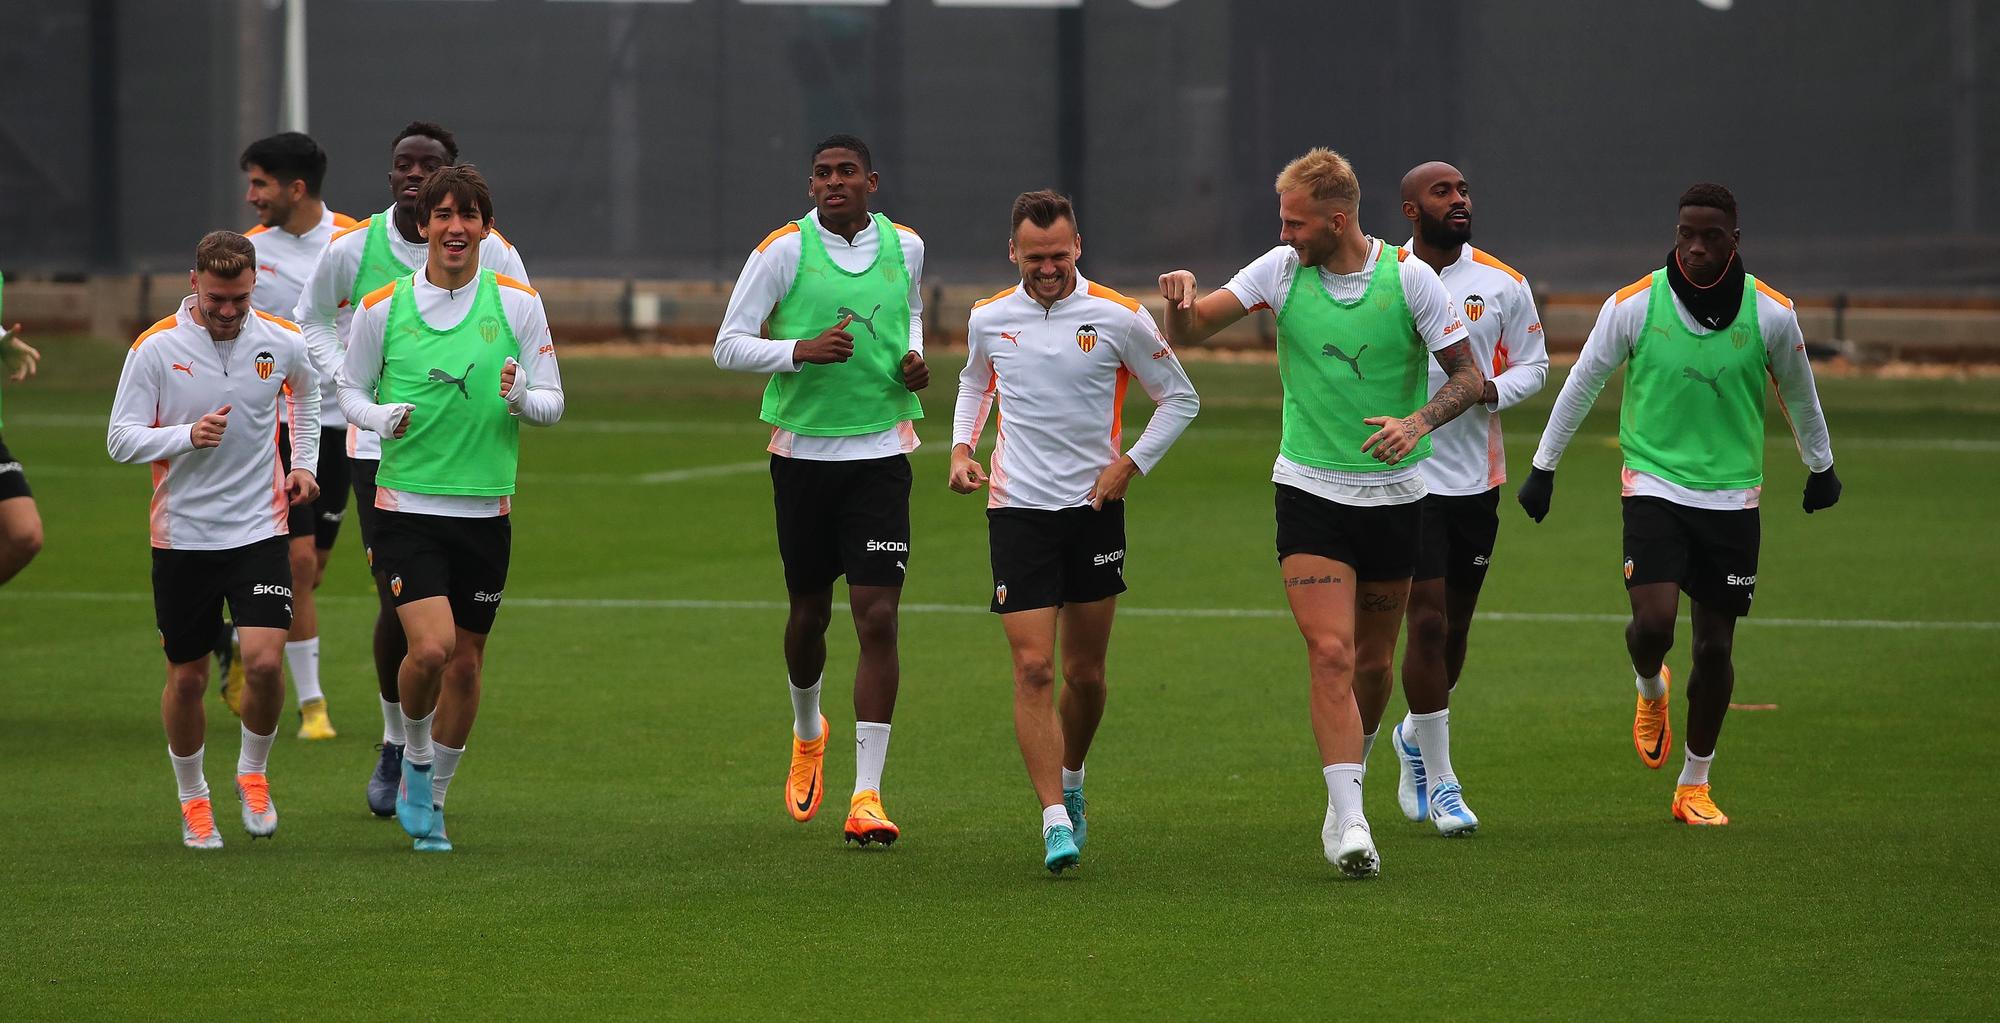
[1715, 306]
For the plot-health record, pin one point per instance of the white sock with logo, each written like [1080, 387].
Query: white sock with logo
[444, 764]
[392, 723]
[871, 747]
[805, 709]
[1431, 735]
[418, 749]
[1343, 794]
[1694, 771]
[1054, 816]
[1650, 688]
[1072, 779]
[187, 774]
[302, 656]
[256, 755]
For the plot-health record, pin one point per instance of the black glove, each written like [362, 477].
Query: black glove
[1822, 490]
[1535, 492]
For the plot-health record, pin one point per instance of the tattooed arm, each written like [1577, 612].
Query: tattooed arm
[1398, 437]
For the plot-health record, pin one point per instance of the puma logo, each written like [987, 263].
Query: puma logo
[866, 321]
[185, 367]
[1012, 339]
[1694, 374]
[440, 376]
[1353, 361]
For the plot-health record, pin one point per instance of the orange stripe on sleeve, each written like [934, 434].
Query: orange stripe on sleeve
[775, 235]
[1775, 294]
[1632, 289]
[358, 225]
[154, 329]
[280, 321]
[508, 282]
[990, 299]
[1100, 291]
[368, 301]
[259, 229]
[342, 222]
[1482, 256]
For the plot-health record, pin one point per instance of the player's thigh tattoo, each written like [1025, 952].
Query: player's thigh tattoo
[1381, 602]
[1292, 581]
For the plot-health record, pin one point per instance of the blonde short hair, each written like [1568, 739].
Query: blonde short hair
[224, 254]
[1326, 174]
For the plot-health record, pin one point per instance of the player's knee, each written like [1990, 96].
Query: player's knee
[1330, 657]
[1651, 629]
[806, 621]
[1427, 627]
[264, 668]
[428, 655]
[875, 624]
[1084, 676]
[188, 681]
[1712, 653]
[1034, 672]
[1375, 663]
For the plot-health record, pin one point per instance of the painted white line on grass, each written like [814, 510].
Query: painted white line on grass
[663, 604]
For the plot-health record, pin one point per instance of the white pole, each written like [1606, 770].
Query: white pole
[294, 118]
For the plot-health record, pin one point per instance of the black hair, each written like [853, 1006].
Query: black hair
[1043, 208]
[288, 156]
[463, 184]
[844, 141]
[430, 130]
[1711, 195]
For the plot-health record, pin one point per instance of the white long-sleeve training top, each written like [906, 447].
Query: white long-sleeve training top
[1620, 325]
[767, 276]
[537, 397]
[1060, 375]
[233, 494]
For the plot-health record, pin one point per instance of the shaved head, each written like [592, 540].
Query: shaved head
[1438, 204]
[1423, 175]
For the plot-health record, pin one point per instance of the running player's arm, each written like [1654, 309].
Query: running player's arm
[318, 311]
[1798, 396]
[916, 374]
[977, 385]
[1527, 353]
[302, 386]
[136, 434]
[507, 260]
[537, 393]
[1607, 348]
[1191, 319]
[1435, 318]
[1147, 356]
[361, 368]
[741, 345]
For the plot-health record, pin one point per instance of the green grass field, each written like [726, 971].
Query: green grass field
[622, 850]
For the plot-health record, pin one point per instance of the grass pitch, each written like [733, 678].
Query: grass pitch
[622, 850]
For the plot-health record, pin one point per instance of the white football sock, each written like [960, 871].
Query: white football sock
[1053, 816]
[871, 747]
[302, 655]
[1650, 688]
[1409, 727]
[392, 722]
[1343, 793]
[256, 755]
[805, 710]
[1695, 770]
[418, 730]
[187, 774]
[1368, 746]
[1072, 779]
[444, 764]
[1431, 735]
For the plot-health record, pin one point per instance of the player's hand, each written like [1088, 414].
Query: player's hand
[399, 419]
[966, 475]
[509, 371]
[1111, 483]
[1393, 437]
[916, 375]
[20, 359]
[834, 344]
[1536, 491]
[207, 431]
[301, 487]
[1177, 287]
[1822, 490]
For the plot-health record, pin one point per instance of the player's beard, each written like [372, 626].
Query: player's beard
[1442, 234]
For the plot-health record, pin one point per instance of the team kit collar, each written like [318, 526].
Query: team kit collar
[1078, 295]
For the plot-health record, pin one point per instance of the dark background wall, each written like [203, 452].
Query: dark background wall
[665, 139]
